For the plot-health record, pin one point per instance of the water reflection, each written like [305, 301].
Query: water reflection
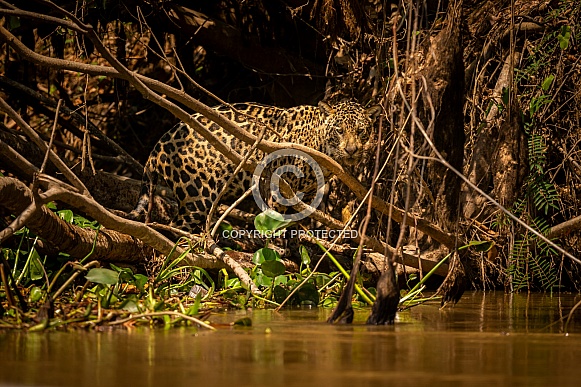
[487, 339]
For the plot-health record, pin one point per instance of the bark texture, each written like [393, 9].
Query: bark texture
[110, 245]
[445, 79]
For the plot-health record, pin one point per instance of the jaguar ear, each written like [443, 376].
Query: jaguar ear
[325, 108]
[374, 111]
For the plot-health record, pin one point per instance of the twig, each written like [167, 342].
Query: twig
[215, 250]
[10, 153]
[20, 220]
[164, 313]
[72, 278]
[230, 208]
[7, 290]
[43, 147]
[122, 155]
[577, 305]
[564, 228]
[56, 116]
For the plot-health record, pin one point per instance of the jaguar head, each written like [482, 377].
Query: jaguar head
[350, 135]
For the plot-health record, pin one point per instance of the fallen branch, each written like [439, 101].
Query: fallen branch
[109, 245]
[163, 313]
[121, 240]
[565, 228]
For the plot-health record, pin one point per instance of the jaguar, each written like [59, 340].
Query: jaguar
[196, 172]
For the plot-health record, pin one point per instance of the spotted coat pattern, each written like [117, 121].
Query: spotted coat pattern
[196, 172]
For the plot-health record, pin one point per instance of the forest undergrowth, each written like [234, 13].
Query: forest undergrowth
[520, 93]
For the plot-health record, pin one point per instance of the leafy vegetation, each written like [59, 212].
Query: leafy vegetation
[532, 262]
[85, 295]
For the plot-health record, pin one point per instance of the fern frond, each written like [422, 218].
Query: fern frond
[543, 271]
[518, 265]
[537, 157]
[544, 195]
[541, 225]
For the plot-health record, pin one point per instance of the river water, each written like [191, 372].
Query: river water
[488, 339]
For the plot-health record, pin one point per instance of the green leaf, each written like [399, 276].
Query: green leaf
[547, 82]
[103, 276]
[66, 215]
[564, 37]
[481, 246]
[321, 279]
[280, 294]
[35, 294]
[269, 221]
[13, 22]
[129, 305]
[226, 229]
[233, 283]
[329, 302]
[272, 268]
[280, 280]
[305, 258]
[117, 268]
[244, 322]
[265, 254]
[538, 102]
[505, 96]
[194, 309]
[262, 279]
[140, 281]
[36, 271]
[308, 294]
[125, 273]
[85, 223]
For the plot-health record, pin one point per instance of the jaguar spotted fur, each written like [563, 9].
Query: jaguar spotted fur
[196, 172]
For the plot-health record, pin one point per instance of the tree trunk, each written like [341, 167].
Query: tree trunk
[445, 92]
[445, 95]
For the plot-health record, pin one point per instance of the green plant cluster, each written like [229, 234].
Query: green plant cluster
[63, 293]
[532, 262]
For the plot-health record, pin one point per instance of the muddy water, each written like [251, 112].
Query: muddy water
[488, 339]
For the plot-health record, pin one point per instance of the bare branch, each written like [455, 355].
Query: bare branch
[565, 228]
[122, 154]
[42, 145]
